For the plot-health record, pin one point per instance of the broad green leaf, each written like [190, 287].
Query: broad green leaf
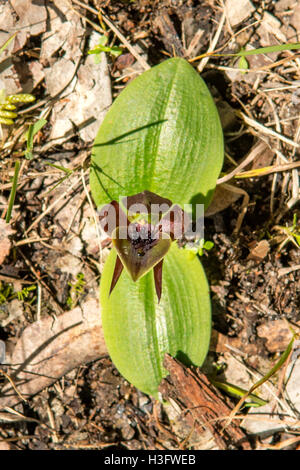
[162, 134]
[138, 330]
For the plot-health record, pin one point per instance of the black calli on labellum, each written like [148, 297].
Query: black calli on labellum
[142, 244]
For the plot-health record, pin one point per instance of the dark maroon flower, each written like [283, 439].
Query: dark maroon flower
[144, 236]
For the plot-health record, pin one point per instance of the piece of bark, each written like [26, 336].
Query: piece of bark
[169, 35]
[48, 349]
[204, 402]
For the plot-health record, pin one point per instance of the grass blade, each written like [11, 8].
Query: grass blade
[13, 191]
[6, 44]
[32, 130]
[260, 50]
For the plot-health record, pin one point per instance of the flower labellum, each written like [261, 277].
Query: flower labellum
[144, 236]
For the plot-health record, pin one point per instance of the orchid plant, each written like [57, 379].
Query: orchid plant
[160, 144]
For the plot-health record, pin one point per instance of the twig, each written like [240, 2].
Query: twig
[53, 205]
[244, 207]
[254, 152]
[12, 384]
[284, 271]
[265, 130]
[52, 424]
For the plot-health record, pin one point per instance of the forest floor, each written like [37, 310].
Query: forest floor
[72, 396]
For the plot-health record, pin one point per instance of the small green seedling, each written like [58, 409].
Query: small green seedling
[5, 292]
[200, 247]
[26, 294]
[103, 46]
[290, 234]
[8, 103]
[243, 64]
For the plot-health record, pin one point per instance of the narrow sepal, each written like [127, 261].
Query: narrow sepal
[117, 273]
[158, 279]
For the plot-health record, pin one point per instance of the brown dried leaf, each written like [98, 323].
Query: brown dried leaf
[277, 334]
[49, 349]
[32, 16]
[5, 244]
[222, 199]
[259, 251]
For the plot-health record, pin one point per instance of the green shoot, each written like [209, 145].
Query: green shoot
[32, 131]
[235, 391]
[292, 234]
[244, 53]
[13, 191]
[7, 293]
[25, 293]
[62, 168]
[200, 247]
[61, 180]
[283, 358]
[243, 64]
[114, 51]
[6, 44]
[269, 49]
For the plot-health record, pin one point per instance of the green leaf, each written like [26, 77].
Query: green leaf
[162, 134]
[138, 330]
[208, 245]
[243, 64]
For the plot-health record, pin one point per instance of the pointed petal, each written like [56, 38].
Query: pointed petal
[157, 270]
[117, 273]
